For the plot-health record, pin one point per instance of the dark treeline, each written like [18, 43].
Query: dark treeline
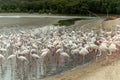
[61, 6]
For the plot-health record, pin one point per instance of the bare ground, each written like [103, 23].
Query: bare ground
[97, 24]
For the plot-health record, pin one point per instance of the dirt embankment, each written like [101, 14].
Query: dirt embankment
[97, 24]
[101, 70]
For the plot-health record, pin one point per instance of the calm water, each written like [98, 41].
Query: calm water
[37, 20]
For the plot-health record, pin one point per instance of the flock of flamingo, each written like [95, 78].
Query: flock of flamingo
[34, 53]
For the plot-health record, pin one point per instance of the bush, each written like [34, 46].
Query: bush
[17, 10]
[31, 11]
[41, 11]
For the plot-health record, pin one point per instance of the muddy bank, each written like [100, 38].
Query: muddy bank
[96, 24]
[101, 70]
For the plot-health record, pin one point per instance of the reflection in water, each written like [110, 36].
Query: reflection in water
[69, 22]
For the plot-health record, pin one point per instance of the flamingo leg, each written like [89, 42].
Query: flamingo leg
[58, 60]
[75, 62]
[95, 54]
[1, 69]
[11, 70]
[37, 69]
[98, 55]
[83, 59]
[76, 58]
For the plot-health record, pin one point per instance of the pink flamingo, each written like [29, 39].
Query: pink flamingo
[35, 60]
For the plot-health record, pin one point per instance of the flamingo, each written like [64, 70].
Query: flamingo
[3, 51]
[21, 59]
[11, 58]
[43, 56]
[112, 48]
[83, 52]
[57, 56]
[103, 49]
[75, 53]
[62, 56]
[94, 50]
[65, 56]
[35, 59]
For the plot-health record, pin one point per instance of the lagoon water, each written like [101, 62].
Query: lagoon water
[31, 20]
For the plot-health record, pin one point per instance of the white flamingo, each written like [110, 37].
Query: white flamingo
[75, 53]
[63, 56]
[112, 49]
[103, 49]
[12, 59]
[44, 54]
[94, 50]
[20, 60]
[83, 52]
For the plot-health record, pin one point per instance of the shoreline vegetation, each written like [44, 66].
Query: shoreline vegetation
[67, 7]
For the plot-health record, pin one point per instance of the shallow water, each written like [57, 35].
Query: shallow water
[34, 20]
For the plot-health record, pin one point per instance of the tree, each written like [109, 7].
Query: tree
[61, 6]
